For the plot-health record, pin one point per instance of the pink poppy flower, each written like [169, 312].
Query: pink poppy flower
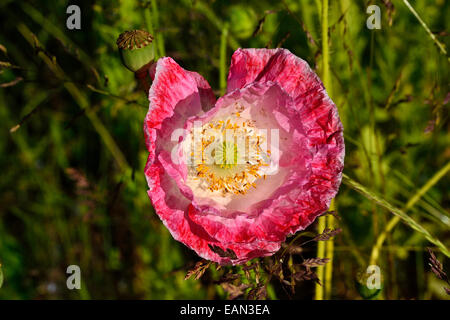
[233, 204]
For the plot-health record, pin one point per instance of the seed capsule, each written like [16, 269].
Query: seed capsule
[136, 48]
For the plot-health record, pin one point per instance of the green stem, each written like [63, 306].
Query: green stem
[329, 253]
[158, 35]
[321, 249]
[320, 254]
[150, 29]
[223, 62]
[325, 49]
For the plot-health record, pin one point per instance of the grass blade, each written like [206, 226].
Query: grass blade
[397, 212]
[423, 24]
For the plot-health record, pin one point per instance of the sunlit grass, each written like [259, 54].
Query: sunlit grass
[73, 189]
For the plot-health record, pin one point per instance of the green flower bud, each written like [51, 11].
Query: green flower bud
[136, 49]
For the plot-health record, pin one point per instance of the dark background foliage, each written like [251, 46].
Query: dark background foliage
[72, 152]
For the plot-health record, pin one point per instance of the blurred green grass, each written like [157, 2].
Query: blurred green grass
[67, 196]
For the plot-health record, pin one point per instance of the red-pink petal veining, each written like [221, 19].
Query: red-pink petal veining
[301, 109]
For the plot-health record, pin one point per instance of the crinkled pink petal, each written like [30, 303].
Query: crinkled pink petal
[207, 97]
[175, 95]
[175, 210]
[287, 89]
[278, 65]
[289, 208]
[306, 194]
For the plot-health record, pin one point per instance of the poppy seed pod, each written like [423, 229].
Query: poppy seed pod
[136, 48]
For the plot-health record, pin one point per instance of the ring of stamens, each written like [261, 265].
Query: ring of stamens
[229, 156]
